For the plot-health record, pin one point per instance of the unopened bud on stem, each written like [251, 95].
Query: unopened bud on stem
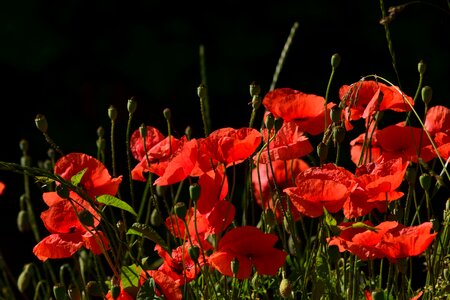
[41, 123]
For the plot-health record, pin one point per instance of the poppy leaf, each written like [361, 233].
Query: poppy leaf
[130, 276]
[44, 180]
[145, 231]
[76, 179]
[116, 202]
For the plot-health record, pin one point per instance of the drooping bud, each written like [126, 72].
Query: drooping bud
[194, 191]
[86, 218]
[188, 132]
[194, 252]
[23, 282]
[41, 123]
[180, 210]
[425, 181]
[427, 94]
[155, 218]
[59, 291]
[335, 60]
[131, 105]
[23, 221]
[422, 67]
[112, 113]
[322, 152]
[167, 114]
[285, 288]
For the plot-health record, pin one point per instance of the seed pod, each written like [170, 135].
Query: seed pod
[427, 94]
[335, 60]
[41, 123]
[112, 113]
[425, 181]
[180, 210]
[421, 67]
[194, 191]
[23, 221]
[131, 105]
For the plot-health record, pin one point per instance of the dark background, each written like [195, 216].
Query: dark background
[71, 60]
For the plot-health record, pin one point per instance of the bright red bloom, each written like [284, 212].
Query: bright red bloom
[250, 247]
[437, 120]
[231, 146]
[377, 185]
[154, 136]
[96, 180]
[361, 145]
[316, 188]
[307, 110]
[285, 173]
[361, 99]
[389, 240]
[2, 187]
[213, 188]
[289, 143]
[68, 235]
[179, 265]
[166, 285]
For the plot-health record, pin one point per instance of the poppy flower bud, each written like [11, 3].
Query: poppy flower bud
[278, 123]
[131, 105]
[201, 91]
[23, 221]
[41, 123]
[255, 89]
[180, 210]
[112, 113]
[425, 181]
[25, 161]
[322, 151]
[94, 289]
[427, 93]
[194, 191]
[188, 132]
[335, 60]
[86, 218]
[23, 282]
[269, 121]
[167, 113]
[155, 218]
[285, 288]
[421, 67]
[143, 131]
[74, 292]
[194, 253]
[335, 114]
[100, 131]
[338, 134]
[235, 266]
[62, 191]
[23, 145]
[59, 291]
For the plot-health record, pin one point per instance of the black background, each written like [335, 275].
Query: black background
[71, 60]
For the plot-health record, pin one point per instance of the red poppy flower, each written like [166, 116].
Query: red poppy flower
[364, 145]
[285, 173]
[96, 180]
[377, 185]
[307, 110]
[154, 136]
[389, 240]
[250, 247]
[68, 235]
[231, 146]
[122, 296]
[2, 187]
[289, 143]
[166, 285]
[179, 265]
[316, 188]
[213, 188]
[437, 120]
[361, 99]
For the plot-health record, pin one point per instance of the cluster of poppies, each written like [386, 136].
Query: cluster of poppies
[282, 180]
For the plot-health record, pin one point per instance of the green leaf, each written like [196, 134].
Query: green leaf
[44, 179]
[130, 276]
[76, 179]
[116, 202]
[145, 231]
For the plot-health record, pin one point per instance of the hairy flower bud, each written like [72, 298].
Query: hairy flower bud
[338, 134]
[427, 94]
[335, 60]
[269, 121]
[194, 191]
[155, 218]
[422, 67]
[180, 210]
[93, 288]
[41, 123]
[425, 181]
[131, 105]
[23, 282]
[112, 113]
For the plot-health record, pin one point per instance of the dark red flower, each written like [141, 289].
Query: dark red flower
[389, 240]
[285, 173]
[251, 248]
[154, 136]
[289, 143]
[96, 180]
[317, 188]
[361, 99]
[68, 234]
[306, 110]
[378, 185]
[231, 146]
